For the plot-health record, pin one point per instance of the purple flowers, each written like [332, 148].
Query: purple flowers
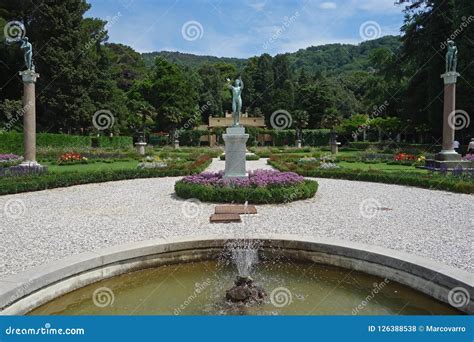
[9, 157]
[257, 178]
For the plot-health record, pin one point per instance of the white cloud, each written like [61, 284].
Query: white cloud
[328, 5]
[257, 5]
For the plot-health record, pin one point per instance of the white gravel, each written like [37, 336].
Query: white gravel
[39, 227]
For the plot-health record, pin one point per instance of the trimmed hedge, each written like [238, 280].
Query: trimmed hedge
[393, 146]
[247, 157]
[13, 185]
[255, 195]
[428, 181]
[12, 142]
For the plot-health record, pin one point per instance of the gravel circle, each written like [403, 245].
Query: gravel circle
[39, 227]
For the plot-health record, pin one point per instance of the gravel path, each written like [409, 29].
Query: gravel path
[38, 227]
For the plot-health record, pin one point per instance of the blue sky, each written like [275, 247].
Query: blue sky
[244, 28]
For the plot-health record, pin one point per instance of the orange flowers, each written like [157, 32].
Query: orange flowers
[71, 158]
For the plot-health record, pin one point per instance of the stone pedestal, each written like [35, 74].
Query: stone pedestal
[176, 143]
[235, 148]
[335, 147]
[298, 143]
[448, 158]
[141, 147]
[29, 118]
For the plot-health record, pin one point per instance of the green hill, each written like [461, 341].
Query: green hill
[331, 58]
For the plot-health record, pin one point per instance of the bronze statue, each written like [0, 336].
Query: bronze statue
[28, 50]
[451, 57]
[236, 99]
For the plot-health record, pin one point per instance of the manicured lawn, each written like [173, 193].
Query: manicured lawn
[379, 167]
[118, 165]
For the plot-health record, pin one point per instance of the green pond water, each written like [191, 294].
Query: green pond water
[199, 289]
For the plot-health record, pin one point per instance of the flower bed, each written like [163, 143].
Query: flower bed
[262, 186]
[7, 160]
[452, 181]
[72, 158]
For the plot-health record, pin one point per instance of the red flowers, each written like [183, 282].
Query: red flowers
[404, 156]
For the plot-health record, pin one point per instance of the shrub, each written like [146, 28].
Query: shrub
[256, 195]
[12, 185]
[12, 142]
[247, 157]
[435, 181]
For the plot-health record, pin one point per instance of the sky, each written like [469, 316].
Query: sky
[244, 28]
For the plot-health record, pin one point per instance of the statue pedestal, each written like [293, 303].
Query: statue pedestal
[235, 149]
[141, 147]
[448, 158]
[29, 78]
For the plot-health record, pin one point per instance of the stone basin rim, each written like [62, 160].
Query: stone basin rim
[20, 293]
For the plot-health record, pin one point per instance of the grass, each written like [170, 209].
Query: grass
[118, 165]
[380, 167]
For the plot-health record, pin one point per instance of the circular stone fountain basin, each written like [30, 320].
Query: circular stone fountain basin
[187, 276]
[198, 288]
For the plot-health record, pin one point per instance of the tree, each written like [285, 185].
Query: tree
[210, 92]
[300, 121]
[171, 93]
[427, 24]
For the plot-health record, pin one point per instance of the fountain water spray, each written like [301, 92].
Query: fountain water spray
[244, 254]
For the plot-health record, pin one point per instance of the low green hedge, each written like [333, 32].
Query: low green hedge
[12, 142]
[255, 195]
[13, 185]
[428, 181]
[247, 157]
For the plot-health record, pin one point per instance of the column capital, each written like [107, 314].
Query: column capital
[450, 77]
[29, 76]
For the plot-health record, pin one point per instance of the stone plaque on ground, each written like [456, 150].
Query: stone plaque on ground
[224, 218]
[235, 209]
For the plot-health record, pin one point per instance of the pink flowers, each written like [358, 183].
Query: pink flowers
[257, 178]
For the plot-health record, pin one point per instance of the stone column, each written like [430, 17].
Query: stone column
[447, 152]
[29, 117]
[235, 152]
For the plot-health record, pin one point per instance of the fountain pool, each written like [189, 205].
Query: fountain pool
[198, 288]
